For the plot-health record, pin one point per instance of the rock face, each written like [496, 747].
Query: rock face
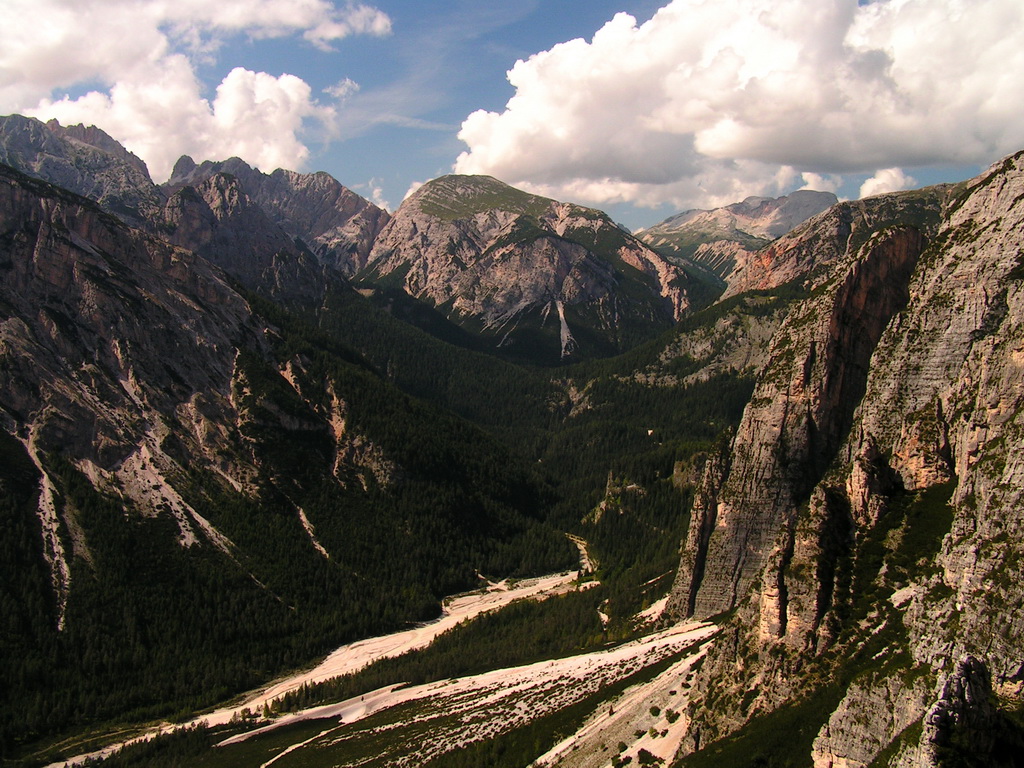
[84, 160]
[111, 341]
[539, 279]
[218, 221]
[793, 426]
[723, 238]
[103, 306]
[895, 386]
[189, 474]
[815, 246]
[517, 266]
[336, 224]
[212, 213]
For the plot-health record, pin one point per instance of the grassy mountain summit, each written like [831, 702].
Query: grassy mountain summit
[454, 197]
[536, 278]
[220, 461]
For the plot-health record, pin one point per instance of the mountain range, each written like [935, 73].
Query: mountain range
[249, 417]
[723, 238]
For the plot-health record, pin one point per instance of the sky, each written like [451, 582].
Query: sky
[642, 108]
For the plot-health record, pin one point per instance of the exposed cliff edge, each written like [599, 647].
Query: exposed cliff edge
[794, 424]
[865, 521]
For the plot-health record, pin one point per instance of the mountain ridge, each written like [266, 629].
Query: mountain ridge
[722, 239]
[831, 602]
[464, 244]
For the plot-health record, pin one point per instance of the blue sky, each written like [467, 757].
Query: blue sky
[442, 61]
[679, 104]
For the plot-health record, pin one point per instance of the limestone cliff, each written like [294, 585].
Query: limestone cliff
[810, 251]
[114, 345]
[865, 520]
[218, 221]
[82, 159]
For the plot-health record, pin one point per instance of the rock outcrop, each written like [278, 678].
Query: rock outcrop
[810, 251]
[81, 159]
[894, 387]
[793, 427]
[218, 221]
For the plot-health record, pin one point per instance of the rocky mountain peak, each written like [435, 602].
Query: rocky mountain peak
[219, 221]
[514, 265]
[86, 161]
[722, 238]
[95, 137]
[336, 224]
[814, 247]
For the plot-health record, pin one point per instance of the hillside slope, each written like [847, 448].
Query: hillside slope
[183, 462]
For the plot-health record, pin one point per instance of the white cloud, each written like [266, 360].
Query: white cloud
[716, 98]
[138, 58]
[821, 183]
[342, 89]
[887, 180]
[377, 195]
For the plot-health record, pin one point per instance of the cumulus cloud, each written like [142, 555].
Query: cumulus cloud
[821, 183]
[710, 101]
[887, 180]
[138, 57]
[412, 189]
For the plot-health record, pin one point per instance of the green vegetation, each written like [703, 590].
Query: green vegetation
[181, 749]
[473, 464]
[683, 244]
[476, 194]
[780, 739]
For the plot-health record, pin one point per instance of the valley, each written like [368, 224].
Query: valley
[353, 657]
[755, 503]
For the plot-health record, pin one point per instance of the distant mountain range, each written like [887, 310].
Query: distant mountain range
[535, 278]
[722, 238]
